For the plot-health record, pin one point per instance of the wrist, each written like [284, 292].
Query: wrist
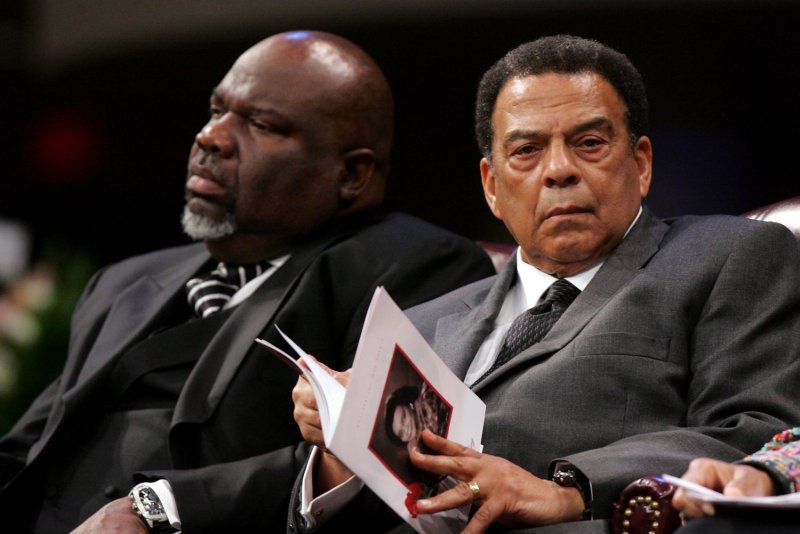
[570, 503]
[329, 472]
[146, 504]
[772, 476]
[569, 477]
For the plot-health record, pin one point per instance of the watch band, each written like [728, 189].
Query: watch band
[146, 504]
[569, 477]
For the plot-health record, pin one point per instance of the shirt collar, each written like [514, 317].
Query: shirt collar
[534, 282]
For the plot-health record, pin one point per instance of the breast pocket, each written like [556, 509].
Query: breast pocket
[622, 344]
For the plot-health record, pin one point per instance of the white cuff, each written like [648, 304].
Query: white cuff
[164, 491]
[317, 512]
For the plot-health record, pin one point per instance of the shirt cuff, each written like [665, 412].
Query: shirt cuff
[317, 512]
[164, 491]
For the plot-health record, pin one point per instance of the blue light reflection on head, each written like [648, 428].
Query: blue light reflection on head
[297, 36]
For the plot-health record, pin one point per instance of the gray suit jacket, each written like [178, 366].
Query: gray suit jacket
[686, 343]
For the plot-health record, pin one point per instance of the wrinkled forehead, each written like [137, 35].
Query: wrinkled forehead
[552, 99]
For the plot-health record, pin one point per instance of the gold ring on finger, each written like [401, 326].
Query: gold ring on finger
[475, 489]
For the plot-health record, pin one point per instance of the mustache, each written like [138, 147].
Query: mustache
[207, 167]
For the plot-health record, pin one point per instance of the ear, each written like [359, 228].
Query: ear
[359, 171]
[643, 154]
[489, 183]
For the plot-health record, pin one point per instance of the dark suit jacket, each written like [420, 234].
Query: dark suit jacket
[232, 437]
[686, 343]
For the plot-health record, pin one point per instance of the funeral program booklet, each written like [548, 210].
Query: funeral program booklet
[398, 387]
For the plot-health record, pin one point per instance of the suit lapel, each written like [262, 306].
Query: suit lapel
[459, 336]
[130, 317]
[217, 365]
[618, 270]
[135, 311]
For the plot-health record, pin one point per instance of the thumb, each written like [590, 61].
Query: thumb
[344, 377]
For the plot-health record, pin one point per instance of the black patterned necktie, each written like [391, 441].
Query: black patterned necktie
[532, 325]
[209, 292]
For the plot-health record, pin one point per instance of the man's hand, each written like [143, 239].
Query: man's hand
[117, 517]
[306, 413]
[329, 472]
[732, 480]
[509, 495]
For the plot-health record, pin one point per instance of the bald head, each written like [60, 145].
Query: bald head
[300, 134]
[345, 85]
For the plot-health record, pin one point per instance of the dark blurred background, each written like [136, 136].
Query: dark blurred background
[101, 100]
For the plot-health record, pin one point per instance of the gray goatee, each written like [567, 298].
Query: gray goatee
[200, 227]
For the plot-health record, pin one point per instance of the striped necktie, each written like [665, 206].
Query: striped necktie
[209, 292]
[532, 325]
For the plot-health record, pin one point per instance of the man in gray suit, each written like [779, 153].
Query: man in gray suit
[682, 339]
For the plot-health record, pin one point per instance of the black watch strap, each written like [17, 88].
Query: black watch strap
[570, 477]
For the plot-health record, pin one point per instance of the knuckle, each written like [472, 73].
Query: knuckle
[698, 463]
[463, 490]
[484, 514]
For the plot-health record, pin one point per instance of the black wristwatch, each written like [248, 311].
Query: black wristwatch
[147, 505]
[569, 477]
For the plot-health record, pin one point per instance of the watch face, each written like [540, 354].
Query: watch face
[150, 504]
[565, 478]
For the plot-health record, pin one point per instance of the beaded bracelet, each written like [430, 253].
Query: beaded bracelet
[781, 438]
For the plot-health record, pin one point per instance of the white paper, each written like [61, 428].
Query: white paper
[328, 392]
[394, 367]
[701, 493]
[393, 356]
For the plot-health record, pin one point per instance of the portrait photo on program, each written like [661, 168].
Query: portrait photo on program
[409, 404]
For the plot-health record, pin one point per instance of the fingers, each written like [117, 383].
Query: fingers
[710, 473]
[330, 371]
[691, 508]
[449, 458]
[461, 467]
[455, 497]
[344, 377]
[302, 394]
[306, 414]
[748, 481]
[713, 474]
[442, 445]
[482, 519]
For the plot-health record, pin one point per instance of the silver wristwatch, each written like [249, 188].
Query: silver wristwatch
[147, 505]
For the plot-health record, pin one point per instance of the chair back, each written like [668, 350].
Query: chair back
[786, 212]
